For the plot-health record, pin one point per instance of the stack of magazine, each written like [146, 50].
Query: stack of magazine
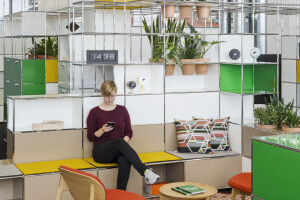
[188, 189]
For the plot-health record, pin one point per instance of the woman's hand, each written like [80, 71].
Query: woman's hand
[102, 130]
[126, 138]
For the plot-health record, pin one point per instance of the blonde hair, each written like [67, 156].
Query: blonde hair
[108, 87]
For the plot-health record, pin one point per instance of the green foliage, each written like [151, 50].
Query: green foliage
[39, 48]
[289, 116]
[171, 41]
[267, 115]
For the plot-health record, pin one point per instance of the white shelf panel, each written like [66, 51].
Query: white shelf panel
[184, 106]
[51, 88]
[289, 92]
[289, 70]
[289, 47]
[68, 110]
[145, 109]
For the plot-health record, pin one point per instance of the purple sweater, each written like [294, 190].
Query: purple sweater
[98, 117]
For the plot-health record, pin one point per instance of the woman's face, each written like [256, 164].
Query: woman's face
[109, 100]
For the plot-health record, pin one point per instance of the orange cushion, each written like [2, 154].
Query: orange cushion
[241, 182]
[113, 194]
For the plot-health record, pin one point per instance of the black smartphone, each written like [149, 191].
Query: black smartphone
[111, 124]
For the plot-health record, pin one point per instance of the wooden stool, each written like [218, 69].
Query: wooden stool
[241, 184]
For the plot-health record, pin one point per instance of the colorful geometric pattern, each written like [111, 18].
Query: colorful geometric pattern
[219, 135]
[193, 136]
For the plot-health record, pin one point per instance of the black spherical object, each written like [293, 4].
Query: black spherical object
[234, 54]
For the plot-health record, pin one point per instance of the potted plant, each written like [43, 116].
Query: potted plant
[290, 119]
[188, 52]
[202, 9]
[40, 49]
[186, 9]
[31, 52]
[267, 117]
[168, 10]
[52, 48]
[203, 49]
[155, 40]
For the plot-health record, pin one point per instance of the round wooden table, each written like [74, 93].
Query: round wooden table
[166, 193]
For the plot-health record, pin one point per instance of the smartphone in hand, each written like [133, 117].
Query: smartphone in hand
[111, 124]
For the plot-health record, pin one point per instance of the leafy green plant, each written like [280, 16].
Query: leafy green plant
[52, 46]
[204, 45]
[267, 115]
[171, 41]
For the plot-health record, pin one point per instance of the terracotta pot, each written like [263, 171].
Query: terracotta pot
[31, 56]
[287, 129]
[203, 10]
[170, 67]
[188, 67]
[170, 10]
[40, 56]
[202, 68]
[186, 11]
[52, 57]
[268, 127]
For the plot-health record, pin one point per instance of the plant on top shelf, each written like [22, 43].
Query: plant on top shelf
[186, 9]
[52, 47]
[155, 40]
[203, 49]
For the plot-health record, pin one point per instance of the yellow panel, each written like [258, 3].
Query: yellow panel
[52, 166]
[298, 71]
[145, 158]
[51, 71]
[157, 157]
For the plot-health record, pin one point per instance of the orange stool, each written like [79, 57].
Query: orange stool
[241, 184]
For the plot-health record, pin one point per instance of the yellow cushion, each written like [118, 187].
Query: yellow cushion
[52, 166]
[91, 161]
[145, 158]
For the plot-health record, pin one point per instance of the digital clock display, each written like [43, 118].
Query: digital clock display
[102, 57]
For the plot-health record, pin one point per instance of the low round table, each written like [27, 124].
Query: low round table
[166, 193]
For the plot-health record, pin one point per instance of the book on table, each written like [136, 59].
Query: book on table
[188, 189]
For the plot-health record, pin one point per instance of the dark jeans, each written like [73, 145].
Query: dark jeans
[118, 150]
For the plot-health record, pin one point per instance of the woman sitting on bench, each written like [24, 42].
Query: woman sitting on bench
[109, 127]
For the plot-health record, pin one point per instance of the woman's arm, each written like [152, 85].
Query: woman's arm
[92, 132]
[128, 130]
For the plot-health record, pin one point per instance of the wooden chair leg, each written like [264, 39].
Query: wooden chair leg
[234, 193]
[61, 188]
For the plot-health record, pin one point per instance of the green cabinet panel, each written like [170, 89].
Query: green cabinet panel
[231, 78]
[16, 70]
[15, 89]
[63, 72]
[256, 78]
[7, 68]
[264, 76]
[33, 71]
[275, 170]
[33, 89]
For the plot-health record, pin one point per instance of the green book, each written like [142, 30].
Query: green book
[181, 191]
[191, 189]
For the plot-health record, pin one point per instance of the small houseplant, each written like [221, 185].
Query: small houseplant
[267, 117]
[186, 9]
[203, 49]
[52, 48]
[202, 9]
[291, 121]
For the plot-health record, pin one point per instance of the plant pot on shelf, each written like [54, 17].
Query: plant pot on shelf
[52, 57]
[170, 10]
[287, 129]
[203, 10]
[188, 67]
[40, 57]
[169, 66]
[186, 10]
[202, 68]
[31, 56]
[268, 127]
